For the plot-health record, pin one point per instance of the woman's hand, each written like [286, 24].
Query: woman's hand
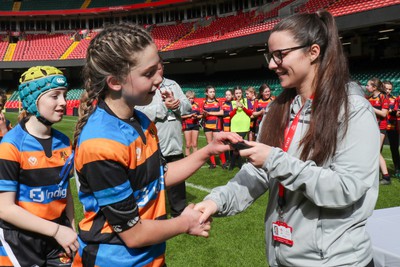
[257, 154]
[207, 208]
[196, 227]
[67, 238]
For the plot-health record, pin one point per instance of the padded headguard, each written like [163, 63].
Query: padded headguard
[36, 81]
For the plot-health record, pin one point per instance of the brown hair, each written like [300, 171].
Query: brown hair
[378, 84]
[261, 90]
[330, 82]
[111, 53]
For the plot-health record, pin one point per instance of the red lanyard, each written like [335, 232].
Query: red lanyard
[289, 134]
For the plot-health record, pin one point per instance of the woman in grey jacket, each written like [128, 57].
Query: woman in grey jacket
[317, 154]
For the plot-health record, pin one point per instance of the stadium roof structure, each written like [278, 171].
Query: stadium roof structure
[53, 8]
[365, 25]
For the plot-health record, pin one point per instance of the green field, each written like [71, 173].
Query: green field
[234, 241]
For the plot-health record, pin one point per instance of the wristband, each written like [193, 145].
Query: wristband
[58, 227]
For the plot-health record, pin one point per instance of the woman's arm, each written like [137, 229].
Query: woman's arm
[237, 195]
[353, 171]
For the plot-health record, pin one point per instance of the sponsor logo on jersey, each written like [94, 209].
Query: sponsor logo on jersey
[39, 195]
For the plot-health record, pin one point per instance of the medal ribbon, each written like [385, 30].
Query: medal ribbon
[289, 134]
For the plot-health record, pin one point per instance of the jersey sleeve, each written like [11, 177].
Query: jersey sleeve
[9, 167]
[105, 179]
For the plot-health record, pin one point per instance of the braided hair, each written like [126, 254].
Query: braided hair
[110, 53]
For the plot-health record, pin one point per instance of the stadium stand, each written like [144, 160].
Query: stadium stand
[341, 8]
[80, 49]
[42, 47]
[3, 46]
[313, 5]
[164, 35]
[225, 81]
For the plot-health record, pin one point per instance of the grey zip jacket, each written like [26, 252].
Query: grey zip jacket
[327, 206]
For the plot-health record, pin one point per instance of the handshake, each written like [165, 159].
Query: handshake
[198, 217]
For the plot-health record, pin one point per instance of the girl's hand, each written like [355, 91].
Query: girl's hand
[257, 154]
[221, 141]
[239, 104]
[193, 218]
[3, 123]
[207, 208]
[67, 238]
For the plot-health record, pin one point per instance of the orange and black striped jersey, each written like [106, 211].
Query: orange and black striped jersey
[34, 176]
[380, 102]
[392, 110]
[211, 121]
[227, 108]
[119, 163]
[262, 104]
[190, 123]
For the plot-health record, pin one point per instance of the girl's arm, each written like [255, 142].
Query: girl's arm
[21, 218]
[180, 170]
[216, 113]
[258, 113]
[70, 208]
[382, 113]
[149, 232]
[187, 116]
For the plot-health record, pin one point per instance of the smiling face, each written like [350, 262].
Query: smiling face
[266, 93]
[143, 80]
[296, 69]
[228, 96]
[51, 104]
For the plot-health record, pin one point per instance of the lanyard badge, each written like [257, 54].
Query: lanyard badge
[281, 231]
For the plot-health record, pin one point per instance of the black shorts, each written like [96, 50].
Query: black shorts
[31, 249]
[383, 131]
[192, 128]
[211, 130]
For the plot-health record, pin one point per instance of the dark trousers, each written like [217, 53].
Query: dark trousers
[393, 137]
[236, 159]
[176, 194]
[371, 264]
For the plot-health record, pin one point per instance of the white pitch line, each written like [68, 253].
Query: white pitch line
[199, 187]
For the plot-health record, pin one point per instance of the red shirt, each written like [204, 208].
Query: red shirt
[380, 102]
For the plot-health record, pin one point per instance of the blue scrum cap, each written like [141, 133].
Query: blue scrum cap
[36, 81]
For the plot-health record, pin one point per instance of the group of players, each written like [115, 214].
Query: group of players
[243, 115]
[237, 112]
[386, 107]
